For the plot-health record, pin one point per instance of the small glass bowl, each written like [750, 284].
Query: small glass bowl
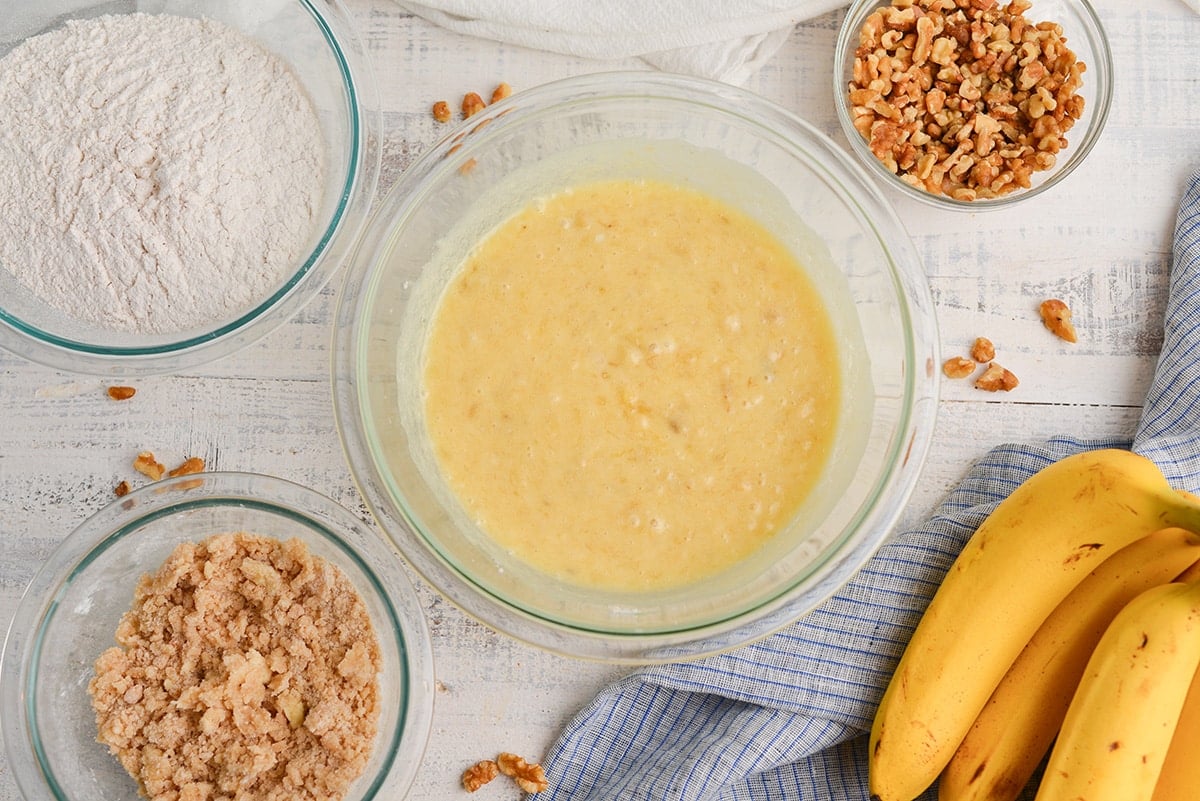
[319, 42]
[69, 614]
[730, 144]
[1085, 37]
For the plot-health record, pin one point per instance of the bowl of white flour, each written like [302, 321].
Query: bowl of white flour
[176, 179]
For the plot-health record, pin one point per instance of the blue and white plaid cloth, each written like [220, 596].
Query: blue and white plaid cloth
[786, 718]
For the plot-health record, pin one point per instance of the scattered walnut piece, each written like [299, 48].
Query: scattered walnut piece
[1056, 316]
[983, 350]
[530, 778]
[147, 465]
[479, 774]
[472, 104]
[501, 91]
[121, 393]
[996, 378]
[122, 489]
[441, 111]
[958, 367]
[193, 464]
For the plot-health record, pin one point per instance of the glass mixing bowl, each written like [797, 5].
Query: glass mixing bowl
[1085, 37]
[727, 143]
[318, 40]
[69, 613]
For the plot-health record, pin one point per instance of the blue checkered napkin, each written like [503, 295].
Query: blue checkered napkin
[786, 718]
[1171, 415]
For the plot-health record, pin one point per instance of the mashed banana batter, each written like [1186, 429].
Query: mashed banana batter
[631, 385]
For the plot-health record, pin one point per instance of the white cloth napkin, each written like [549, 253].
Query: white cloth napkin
[727, 40]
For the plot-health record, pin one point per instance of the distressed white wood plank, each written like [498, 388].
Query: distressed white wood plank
[1101, 241]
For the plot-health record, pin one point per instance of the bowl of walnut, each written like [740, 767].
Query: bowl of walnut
[972, 104]
[217, 635]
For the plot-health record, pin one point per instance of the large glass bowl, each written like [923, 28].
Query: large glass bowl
[318, 41]
[730, 144]
[69, 614]
[1085, 37]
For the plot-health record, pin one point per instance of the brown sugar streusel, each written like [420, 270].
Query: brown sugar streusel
[246, 668]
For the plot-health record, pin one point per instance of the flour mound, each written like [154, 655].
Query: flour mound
[157, 173]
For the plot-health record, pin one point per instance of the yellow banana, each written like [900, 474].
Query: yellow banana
[1118, 727]
[1024, 559]
[1179, 779]
[1189, 575]
[1014, 731]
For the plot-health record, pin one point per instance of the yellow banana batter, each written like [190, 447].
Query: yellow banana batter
[631, 385]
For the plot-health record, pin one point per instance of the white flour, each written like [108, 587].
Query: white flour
[156, 172]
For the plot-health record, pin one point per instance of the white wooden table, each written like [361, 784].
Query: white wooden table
[1101, 241]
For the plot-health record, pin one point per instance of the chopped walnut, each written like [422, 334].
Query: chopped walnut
[193, 464]
[964, 98]
[501, 91]
[441, 111]
[122, 489]
[996, 378]
[958, 367]
[293, 708]
[472, 104]
[479, 774]
[530, 778]
[147, 465]
[983, 350]
[121, 393]
[1056, 316]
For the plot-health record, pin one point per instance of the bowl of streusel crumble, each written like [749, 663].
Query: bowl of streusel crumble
[217, 635]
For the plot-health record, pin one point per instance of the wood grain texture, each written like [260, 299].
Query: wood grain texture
[1101, 242]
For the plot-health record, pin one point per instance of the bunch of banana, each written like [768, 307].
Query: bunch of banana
[1120, 723]
[1038, 547]
[1014, 731]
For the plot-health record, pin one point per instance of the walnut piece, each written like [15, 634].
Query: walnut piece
[501, 91]
[193, 464]
[530, 778]
[996, 378]
[958, 367]
[983, 350]
[441, 111]
[1056, 316]
[964, 98]
[479, 774]
[121, 393]
[147, 465]
[472, 104]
